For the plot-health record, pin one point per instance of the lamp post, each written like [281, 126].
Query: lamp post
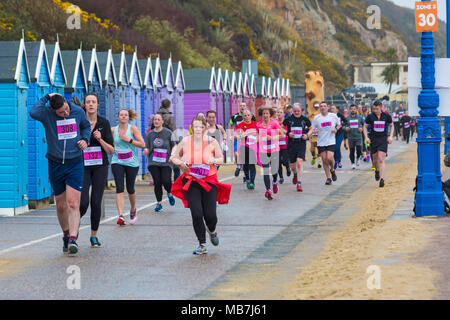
[429, 195]
[447, 119]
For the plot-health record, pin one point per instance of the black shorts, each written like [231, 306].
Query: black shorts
[296, 151]
[331, 148]
[378, 144]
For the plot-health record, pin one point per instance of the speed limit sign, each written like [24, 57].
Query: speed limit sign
[426, 16]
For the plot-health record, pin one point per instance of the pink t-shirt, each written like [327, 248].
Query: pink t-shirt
[268, 146]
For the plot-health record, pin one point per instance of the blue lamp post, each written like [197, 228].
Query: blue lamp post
[429, 195]
[447, 119]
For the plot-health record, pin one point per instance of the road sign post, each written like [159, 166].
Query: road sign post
[429, 197]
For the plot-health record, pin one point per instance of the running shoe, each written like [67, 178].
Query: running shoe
[381, 183]
[201, 249]
[158, 207]
[333, 175]
[288, 171]
[299, 188]
[65, 244]
[268, 195]
[252, 186]
[328, 182]
[335, 165]
[236, 173]
[294, 180]
[244, 179]
[373, 168]
[340, 164]
[73, 247]
[133, 217]
[121, 221]
[353, 166]
[357, 162]
[214, 238]
[171, 199]
[319, 165]
[377, 175]
[275, 187]
[281, 180]
[94, 242]
[313, 161]
[248, 185]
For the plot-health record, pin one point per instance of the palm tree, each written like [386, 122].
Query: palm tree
[390, 73]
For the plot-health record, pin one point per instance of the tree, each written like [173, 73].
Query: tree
[391, 73]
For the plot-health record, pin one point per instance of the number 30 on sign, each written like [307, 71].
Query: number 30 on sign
[426, 16]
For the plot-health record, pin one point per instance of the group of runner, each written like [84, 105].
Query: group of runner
[79, 142]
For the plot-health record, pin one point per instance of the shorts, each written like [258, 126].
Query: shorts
[354, 143]
[296, 151]
[331, 148]
[378, 144]
[71, 174]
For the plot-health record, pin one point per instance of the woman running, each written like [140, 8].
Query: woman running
[246, 134]
[125, 163]
[284, 158]
[269, 133]
[198, 186]
[95, 164]
[158, 148]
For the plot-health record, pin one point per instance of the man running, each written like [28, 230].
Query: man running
[406, 126]
[354, 128]
[68, 132]
[326, 125]
[378, 138]
[297, 129]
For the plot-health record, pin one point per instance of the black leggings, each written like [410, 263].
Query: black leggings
[270, 163]
[95, 176]
[248, 158]
[284, 161]
[203, 209]
[352, 153]
[406, 134]
[129, 173]
[162, 176]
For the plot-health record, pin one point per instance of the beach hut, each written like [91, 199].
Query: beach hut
[252, 80]
[57, 71]
[39, 186]
[158, 83]
[240, 89]
[261, 95]
[219, 97]
[108, 89]
[234, 95]
[226, 98]
[288, 91]
[120, 100]
[92, 67]
[76, 85]
[246, 92]
[276, 94]
[178, 101]
[200, 94]
[14, 84]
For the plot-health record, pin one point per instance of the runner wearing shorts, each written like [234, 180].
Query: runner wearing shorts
[378, 138]
[67, 131]
[297, 127]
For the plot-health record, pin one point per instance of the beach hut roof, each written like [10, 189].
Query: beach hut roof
[36, 54]
[91, 65]
[200, 79]
[260, 86]
[73, 60]
[54, 53]
[12, 54]
[133, 66]
[180, 76]
[146, 70]
[106, 64]
[120, 64]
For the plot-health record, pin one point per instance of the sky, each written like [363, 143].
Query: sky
[410, 4]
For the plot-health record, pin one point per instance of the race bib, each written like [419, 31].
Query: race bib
[297, 131]
[160, 155]
[125, 156]
[93, 156]
[67, 129]
[267, 146]
[251, 140]
[199, 171]
[282, 142]
[326, 124]
[378, 126]
[406, 125]
[354, 124]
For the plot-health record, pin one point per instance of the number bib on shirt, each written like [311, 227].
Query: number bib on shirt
[251, 140]
[406, 125]
[327, 124]
[354, 124]
[297, 131]
[267, 146]
[199, 171]
[125, 156]
[160, 155]
[378, 126]
[93, 156]
[67, 129]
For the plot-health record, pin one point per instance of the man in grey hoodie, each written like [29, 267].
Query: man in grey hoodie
[68, 131]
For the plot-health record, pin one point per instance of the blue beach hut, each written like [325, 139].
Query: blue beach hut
[39, 186]
[76, 75]
[14, 84]
[57, 71]
[178, 99]
[120, 65]
[92, 67]
[108, 90]
[158, 83]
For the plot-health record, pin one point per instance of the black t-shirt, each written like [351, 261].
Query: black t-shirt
[406, 119]
[294, 122]
[343, 123]
[104, 128]
[379, 126]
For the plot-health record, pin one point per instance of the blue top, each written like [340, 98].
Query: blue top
[62, 134]
[125, 153]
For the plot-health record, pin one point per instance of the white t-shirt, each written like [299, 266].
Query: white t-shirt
[325, 124]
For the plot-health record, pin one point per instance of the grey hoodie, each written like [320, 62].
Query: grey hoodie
[169, 120]
[58, 149]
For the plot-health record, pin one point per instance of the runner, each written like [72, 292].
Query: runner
[354, 128]
[346, 114]
[339, 137]
[158, 147]
[67, 132]
[297, 127]
[234, 121]
[406, 126]
[378, 138]
[269, 133]
[288, 111]
[198, 186]
[413, 127]
[95, 164]
[214, 130]
[201, 115]
[396, 121]
[284, 158]
[326, 125]
[366, 147]
[125, 163]
[313, 143]
[246, 133]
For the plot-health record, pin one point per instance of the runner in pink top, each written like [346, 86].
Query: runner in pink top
[284, 158]
[269, 133]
